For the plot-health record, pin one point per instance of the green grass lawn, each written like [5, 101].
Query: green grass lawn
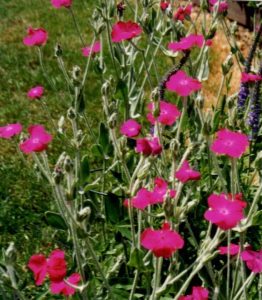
[24, 197]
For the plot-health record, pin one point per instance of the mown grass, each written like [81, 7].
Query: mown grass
[23, 197]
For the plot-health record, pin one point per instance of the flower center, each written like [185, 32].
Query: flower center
[183, 82]
[228, 143]
[224, 211]
[35, 141]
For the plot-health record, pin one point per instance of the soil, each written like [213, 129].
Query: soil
[220, 49]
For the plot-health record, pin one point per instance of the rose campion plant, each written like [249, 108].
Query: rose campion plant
[35, 37]
[10, 130]
[180, 220]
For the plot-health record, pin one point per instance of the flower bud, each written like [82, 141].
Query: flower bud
[174, 145]
[79, 136]
[233, 28]
[231, 101]
[199, 101]
[71, 114]
[58, 176]
[212, 32]
[58, 50]
[76, 72]
[60, 161]
[168, 208]
[112, 121]
[227, 65]
[206, 128]
[60, 124]
[84, 214]
[258, 161]
[10, 254]
[105, 90]
[120, 9]
[145, 3]
[68, 164]
[204, 5]
[143, 172]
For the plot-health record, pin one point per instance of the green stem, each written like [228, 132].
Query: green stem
[40, 54]
[245, 285]
[184, 111]
[76, 26]
[157, 277]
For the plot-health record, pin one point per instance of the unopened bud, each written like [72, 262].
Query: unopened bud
[155, 95]
[79, 136]
[112, 121]
[258, 161]
[227, 65]
[231, 101]
[10, 253]
[60, 160]
[233, 28]
[105, 90]
[84, 214]
[174, 145]
[204, 5]
[143, 172]
[199, 101]
[212, 32]
[206, 128]
[58, 51]
[58, 176]
[68, 164]
[145, 3]
[76, 72]
[168, 208]
[60, 124]
[71, 114]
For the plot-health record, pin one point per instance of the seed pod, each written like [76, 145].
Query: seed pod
[84, 214]
[58, 51]
[71, 114]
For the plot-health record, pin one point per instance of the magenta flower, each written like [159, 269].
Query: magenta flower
[61, 287]
[87, 50]
[130, 128]
[164, 4]
[233, 249]
[38, 140]
[148, 146]
[223, 212]
[230, 143]
[168, 113]
[160, 190]
[61, 3]
[38, 265]
[222, 5]
[142, 199]
[185, 173]
[253, 260]
[163, 242]
[182, 84]
[10, 130]
[183, 12]
[125, 31]
[198, 293]
[192, 40]
[35, 92]
[56, 265]
[35, 37]
[249, 77]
